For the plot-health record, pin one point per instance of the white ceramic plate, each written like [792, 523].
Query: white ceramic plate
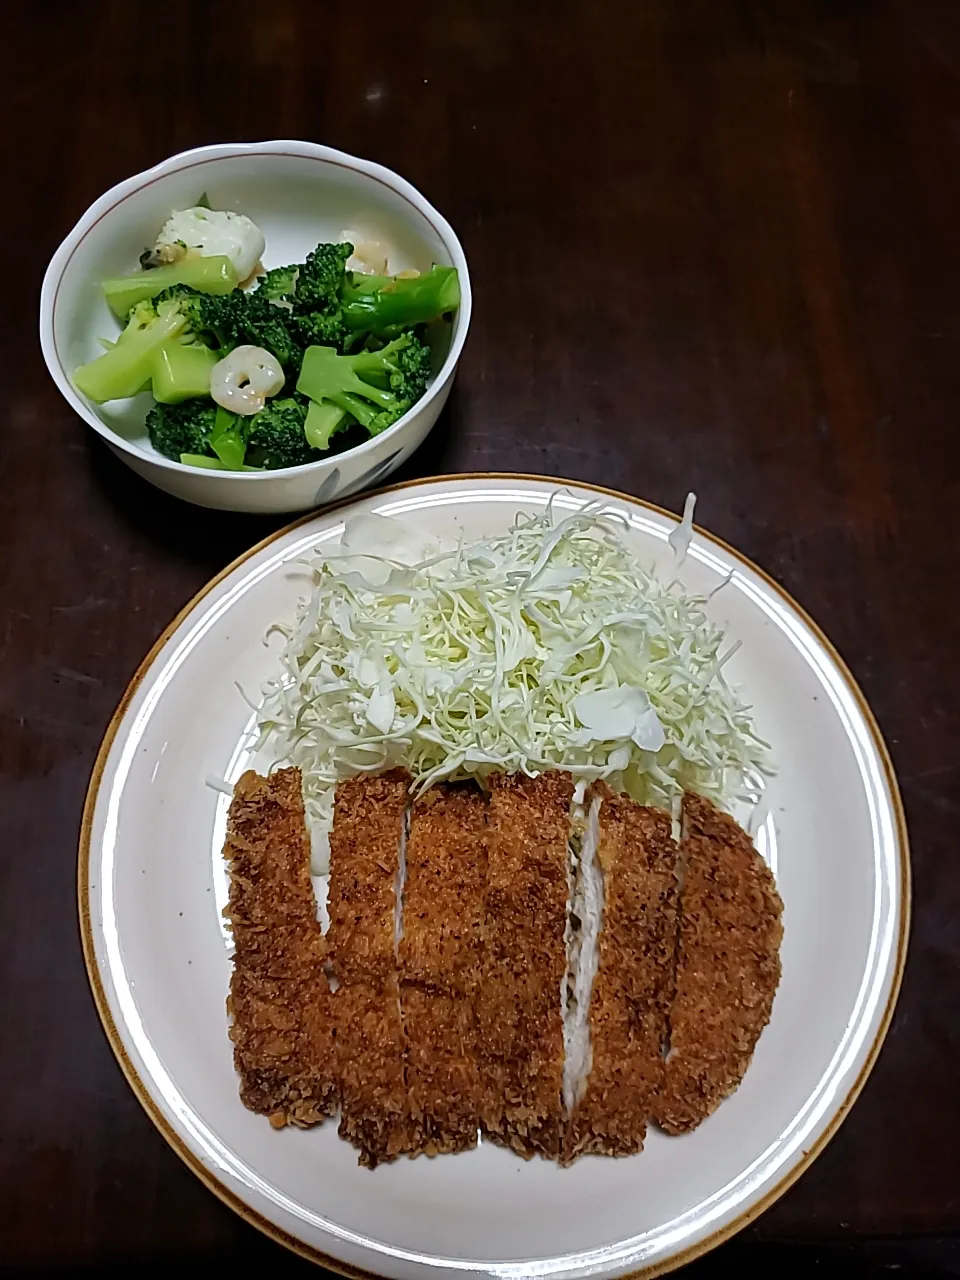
[151, 886]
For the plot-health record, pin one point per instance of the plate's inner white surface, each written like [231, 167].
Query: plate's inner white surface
[157, 888]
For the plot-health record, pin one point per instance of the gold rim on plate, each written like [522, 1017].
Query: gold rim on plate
[238, 1205]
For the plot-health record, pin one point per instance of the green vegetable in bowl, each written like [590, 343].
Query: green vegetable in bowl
[199, 429]
[379, 304]
[211, 464]
[277, 437]
[181, 370]
[208, 275]
[320, 280]
[326, 303]
[321, 327]
[374, 387]
[308, 295]
[256, 320]
[323, 420]
[278, 284]
[127, 367]
[228, 439]
[176, 429]
[242, 319]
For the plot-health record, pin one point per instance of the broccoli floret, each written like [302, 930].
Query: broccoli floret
[263, 324]
[321, 328]
[270, 439]
[402, 365]
[127, 367]
[315, 299]
[276, 437]
[414, 369]
[210, 317]
[321, 277]
[181, 428]
[279, 283]
[234, 319]
[375, 387]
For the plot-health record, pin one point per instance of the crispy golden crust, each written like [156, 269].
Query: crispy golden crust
[364, 867]
[364, 860]
[375, 1111]
[634, 981]
[442, 1079]
[443, 899]
[728, 966]
[440, 958]
[280, 1000]
[520, 1031]
[461, 1024]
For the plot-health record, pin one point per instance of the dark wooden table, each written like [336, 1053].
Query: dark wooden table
[714, 246]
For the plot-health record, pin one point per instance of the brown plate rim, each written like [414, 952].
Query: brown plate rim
[143, 1095]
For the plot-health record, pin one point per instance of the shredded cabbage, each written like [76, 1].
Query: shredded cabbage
[547, 647]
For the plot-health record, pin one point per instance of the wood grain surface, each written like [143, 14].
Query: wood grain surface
[713, 246]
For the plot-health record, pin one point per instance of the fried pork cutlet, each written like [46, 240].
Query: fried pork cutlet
[365, 861]
[440, 963]
[520, 1028]
[281, 1003]
[633, 986]
[728, 966]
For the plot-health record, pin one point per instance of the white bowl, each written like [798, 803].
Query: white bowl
[299, 193]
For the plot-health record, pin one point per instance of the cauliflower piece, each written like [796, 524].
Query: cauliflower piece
[209, 232]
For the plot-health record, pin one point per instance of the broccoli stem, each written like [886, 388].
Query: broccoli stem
[213, 274]
[211, 464]
[364, 412]
[182, 372]
[127, 367]
[227, 440]
[378, 303]
[322, 420]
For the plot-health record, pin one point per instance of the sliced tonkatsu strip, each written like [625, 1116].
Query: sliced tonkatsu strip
[280, 1000]
[375, 1114]
[365, 861]
[636, 861]
[520, 1027]
[440, 963]
[728, 966]
[365, 851]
